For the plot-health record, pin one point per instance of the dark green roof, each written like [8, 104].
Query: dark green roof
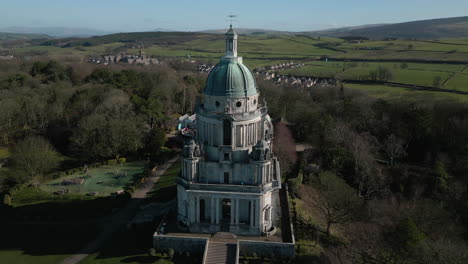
[230, 78]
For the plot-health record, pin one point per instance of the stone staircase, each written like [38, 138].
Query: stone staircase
[221, 249]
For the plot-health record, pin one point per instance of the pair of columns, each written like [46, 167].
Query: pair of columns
[216, 210]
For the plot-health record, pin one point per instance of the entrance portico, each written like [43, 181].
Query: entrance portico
[226, 213]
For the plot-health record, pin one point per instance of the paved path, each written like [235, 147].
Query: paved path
[120, 218]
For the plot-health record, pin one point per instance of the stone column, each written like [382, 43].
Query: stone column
[197, 210]
[252, 212]
[237, 212]
[232, 211]
[217, 210]
[257, 213]
[212, 210]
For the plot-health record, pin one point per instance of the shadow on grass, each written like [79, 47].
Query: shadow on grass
[42, 224]
[55, 227]
[132, 246]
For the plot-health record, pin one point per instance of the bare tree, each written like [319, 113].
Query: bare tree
[336, 200]
[285, 147]
[394, 149]
[34, 156]
[363, 161]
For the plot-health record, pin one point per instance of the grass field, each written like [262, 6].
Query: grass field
[165, 189]
[458, 82]
[407, 73]
[262, 50]
[42, 242]
[400, 93]
[104, 180]
[132, 246]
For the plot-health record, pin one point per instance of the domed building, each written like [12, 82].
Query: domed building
[230, 178]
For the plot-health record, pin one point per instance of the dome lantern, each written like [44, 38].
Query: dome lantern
[230, 77]
[231, 43]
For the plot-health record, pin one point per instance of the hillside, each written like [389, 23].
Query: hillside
[144, 38]
[6, 36]
[456, 27]
[251, 31]
[58, 32]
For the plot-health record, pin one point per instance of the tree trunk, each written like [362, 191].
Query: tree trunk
[328, 228]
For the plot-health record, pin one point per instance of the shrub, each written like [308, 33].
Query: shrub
[122, 160]
[170, 253]
[152, 252]
[112, 162]
[7, 199]
[14, 190]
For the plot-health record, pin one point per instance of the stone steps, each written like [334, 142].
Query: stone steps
[222, 249]
[217, 253]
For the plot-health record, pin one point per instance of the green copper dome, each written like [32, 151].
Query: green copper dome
[230, 78]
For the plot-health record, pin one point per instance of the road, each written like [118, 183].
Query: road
[120, 218]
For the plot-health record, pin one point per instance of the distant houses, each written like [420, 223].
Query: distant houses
[204, 67]
[141, 59]
[7, 57]
[272, 73]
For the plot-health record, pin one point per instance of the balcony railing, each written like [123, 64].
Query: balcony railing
[220, 187]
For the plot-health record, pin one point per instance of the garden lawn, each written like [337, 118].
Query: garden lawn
[104, 179]
[165, 189]
[42, 242]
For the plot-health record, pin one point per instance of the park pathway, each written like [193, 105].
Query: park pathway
[120, 218]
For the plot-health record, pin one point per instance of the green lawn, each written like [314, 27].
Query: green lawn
[104, 179]
[19, 256]
[414, 73]
[314, 70]
[42, 242]
[132, 247]
[458, 82]
[399, 93]
[307, 252]
[165, 189]
[46, 228]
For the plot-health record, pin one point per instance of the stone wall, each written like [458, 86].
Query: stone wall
[194, 245]
[266, 249]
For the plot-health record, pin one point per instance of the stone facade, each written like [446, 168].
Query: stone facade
[230, 178]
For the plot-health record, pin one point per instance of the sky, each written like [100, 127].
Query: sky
[194, 15]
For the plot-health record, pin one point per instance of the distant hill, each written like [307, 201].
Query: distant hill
[132, 38]
[335, 31]
[456, 27]
[251, 31]
[58, 32]
[6, 36]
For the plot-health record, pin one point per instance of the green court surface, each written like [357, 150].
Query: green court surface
[102, 180]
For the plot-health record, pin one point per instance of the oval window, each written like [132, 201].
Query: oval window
[255, 101]
[238, 104]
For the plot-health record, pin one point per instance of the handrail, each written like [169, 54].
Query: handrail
[205, 253]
